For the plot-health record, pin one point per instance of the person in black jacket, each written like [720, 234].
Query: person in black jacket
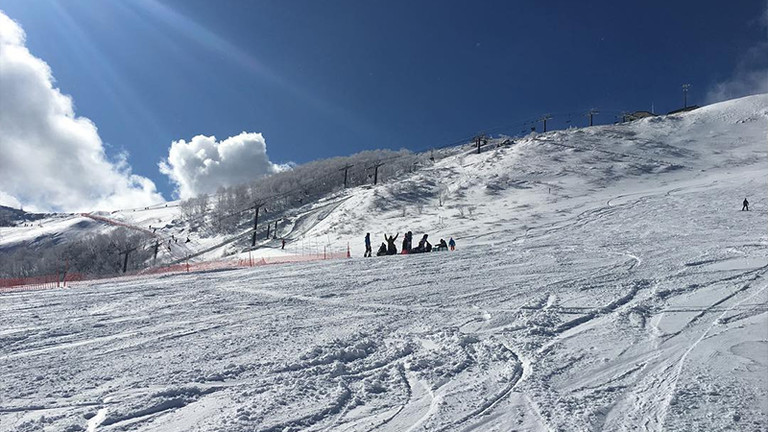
[391, 247]
[382, 250]
[367, 245]
[424, 245]
[745, 205]
[407, 242]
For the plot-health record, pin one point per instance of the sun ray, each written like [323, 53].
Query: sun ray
[204, 37]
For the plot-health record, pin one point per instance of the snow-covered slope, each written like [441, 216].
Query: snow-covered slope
[503, 192]
[605, 279]
[470, 196]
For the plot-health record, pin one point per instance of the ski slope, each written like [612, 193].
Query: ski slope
[604, 279]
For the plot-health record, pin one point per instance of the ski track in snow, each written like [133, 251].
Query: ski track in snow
[599, 283]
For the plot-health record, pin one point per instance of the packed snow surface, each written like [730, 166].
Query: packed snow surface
[604, 279]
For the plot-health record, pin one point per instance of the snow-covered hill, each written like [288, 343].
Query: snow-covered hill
[502, 192]
[605, 279]
[471, 196]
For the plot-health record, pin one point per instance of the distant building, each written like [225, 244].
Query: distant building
[690, 108]
[637, 115]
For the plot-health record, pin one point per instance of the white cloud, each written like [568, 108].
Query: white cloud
[50, 159]
[9, 201]
[751, 73]
[203, 164]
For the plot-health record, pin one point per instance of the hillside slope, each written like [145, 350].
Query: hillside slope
[503, 192]
[475, 198]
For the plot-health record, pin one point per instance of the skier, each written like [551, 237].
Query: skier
[283, 246]
[382, 250]
[367, 245]
[452, 244]
[391, 248]
[745, 205]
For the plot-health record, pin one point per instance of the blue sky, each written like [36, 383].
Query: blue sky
[328, 78]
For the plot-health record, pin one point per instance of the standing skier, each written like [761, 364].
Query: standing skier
[745, 205]
[367, 245]
[407, 239]
[452, 244]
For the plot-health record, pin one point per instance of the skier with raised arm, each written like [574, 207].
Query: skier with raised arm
[391, 247]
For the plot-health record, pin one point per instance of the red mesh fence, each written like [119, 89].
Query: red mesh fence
[285, 259]
[39, 282]
[60, 281]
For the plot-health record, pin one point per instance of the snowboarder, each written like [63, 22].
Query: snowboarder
[452, 244]
[382, 250]
[188, 240]
[745, 205]
[367, 245]
[283, 245]
[442, 246]
[391, 247]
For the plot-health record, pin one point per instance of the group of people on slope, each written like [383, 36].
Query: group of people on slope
[388, 247]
